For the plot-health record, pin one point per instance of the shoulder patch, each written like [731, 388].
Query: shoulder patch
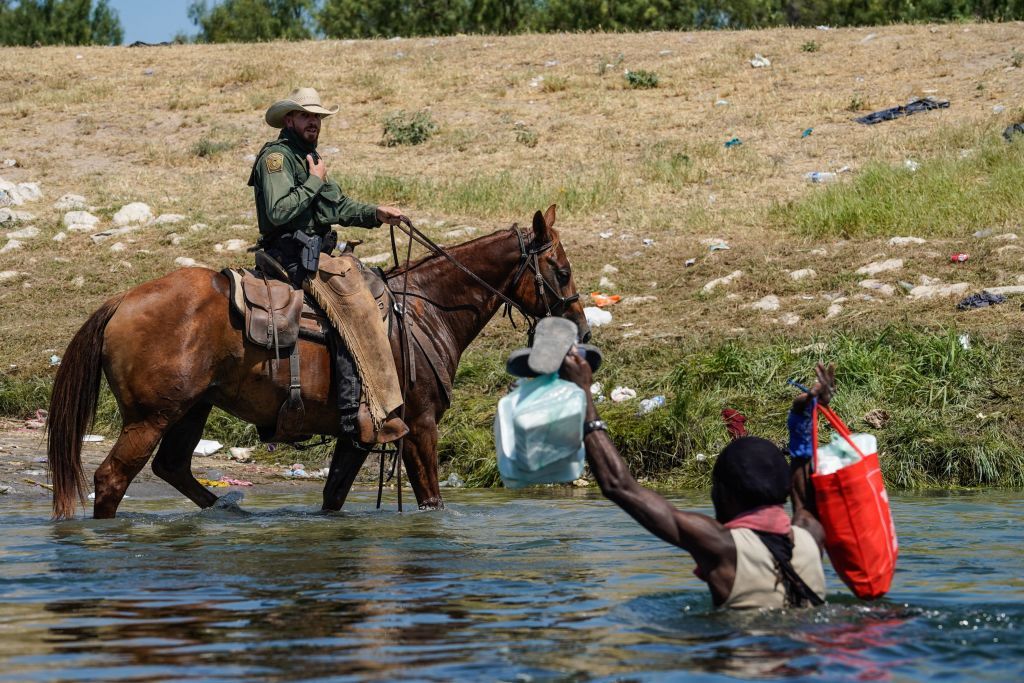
[274, 162]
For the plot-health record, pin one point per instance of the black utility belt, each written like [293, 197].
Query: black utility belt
[311, 245]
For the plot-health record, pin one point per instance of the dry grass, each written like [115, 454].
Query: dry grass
[120, 125]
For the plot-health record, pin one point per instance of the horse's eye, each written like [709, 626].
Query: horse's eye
[563, 276]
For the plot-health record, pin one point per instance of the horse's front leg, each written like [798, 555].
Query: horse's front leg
[420, 458]
[346, 462]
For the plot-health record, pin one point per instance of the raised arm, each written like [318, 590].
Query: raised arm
[700, 535]
[800, 450]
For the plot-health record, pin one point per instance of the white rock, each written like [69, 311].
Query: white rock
[78, 282]
[236, 245]
[60, 237]
[168, 218]
[8, 163]
[723, 281]
[833, 311]
[880, 266]
[10, 246]
[118, 246]
[903, 241]
[789, 318]
[767, 303]
[818, 252]
[196, 227]
[24, 234]
[637, 300]
[609, 269]
[803, 273]
[70, 202]
[931, 291]
[459, 233]
[135, 212]
[880, 287]
[606, 284]
[80, 220]
[30, 192]
[925, 280]
[1010, 289]
[184, 262]
[12, 216]
[12, 276]
[1006, 237]
[376, 259]
[759, 61]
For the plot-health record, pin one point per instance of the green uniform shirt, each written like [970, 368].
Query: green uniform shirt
[289, 198]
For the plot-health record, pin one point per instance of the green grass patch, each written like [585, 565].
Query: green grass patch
[949, 195]
[497, 195]
[956, 415]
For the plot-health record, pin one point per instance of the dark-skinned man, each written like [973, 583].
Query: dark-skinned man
[751, 553]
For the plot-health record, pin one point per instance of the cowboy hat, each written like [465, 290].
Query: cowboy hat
[552, 340]
[300, 99]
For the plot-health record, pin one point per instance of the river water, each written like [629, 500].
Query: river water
[538, 586]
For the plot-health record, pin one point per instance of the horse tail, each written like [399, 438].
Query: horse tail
[76, 390]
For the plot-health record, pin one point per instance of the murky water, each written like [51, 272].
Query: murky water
[529, 587]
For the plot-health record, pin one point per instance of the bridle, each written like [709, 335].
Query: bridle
[555, 303]
[529, 258]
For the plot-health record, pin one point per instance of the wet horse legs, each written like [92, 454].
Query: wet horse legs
[173, 462]
[125, 460]
[348, 458]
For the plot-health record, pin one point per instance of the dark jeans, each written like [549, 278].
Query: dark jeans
[288, 252]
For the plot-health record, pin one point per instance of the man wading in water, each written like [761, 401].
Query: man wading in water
[751, 554]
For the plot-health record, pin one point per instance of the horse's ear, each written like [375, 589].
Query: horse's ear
[540, 228]
[549, 216]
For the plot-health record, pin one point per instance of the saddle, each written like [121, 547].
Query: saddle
[275, 316]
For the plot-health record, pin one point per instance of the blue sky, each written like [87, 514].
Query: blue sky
[153, 21]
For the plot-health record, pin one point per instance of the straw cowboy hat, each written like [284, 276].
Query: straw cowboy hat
[300, 99]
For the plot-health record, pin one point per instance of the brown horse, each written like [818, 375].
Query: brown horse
[171, 350]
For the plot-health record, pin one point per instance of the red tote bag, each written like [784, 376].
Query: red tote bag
[853, 507]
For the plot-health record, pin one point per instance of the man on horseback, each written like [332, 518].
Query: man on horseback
[296, 205]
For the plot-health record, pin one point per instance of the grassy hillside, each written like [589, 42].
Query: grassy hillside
[531, 120]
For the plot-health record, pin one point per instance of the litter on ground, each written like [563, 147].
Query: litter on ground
[981, 300]
[596, 317]
[601, 300]
[913, 107]
[93, 438]
[212, 484]
[733, 142]
[207, 447]
[235, 482]
[760, 61]
[620, 394]
[651, 404]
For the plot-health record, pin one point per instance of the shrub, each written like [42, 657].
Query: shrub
[525, 136]
[810, 46]
[208, 147]
[408, 128]
[642, 79]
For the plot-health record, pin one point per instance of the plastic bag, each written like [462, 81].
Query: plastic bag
[538, 432]
[853, 508]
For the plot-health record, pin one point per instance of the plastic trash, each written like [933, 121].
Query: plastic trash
[538, 432]
[690, 262]
[733, 142]
[605, 235]
[620, 394]
[911, 165]
[54, 359]
[839, 454]
[807, 132]
[454, 481]
[648, 242]
[596, 317]
[93, 438]
[207, 447]
[651, 404]
[958, 258]
[601, 300]
[981, 300]
[759, 61]
[718, 246]
[821, 176]
[235, 482]
[240, 454]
